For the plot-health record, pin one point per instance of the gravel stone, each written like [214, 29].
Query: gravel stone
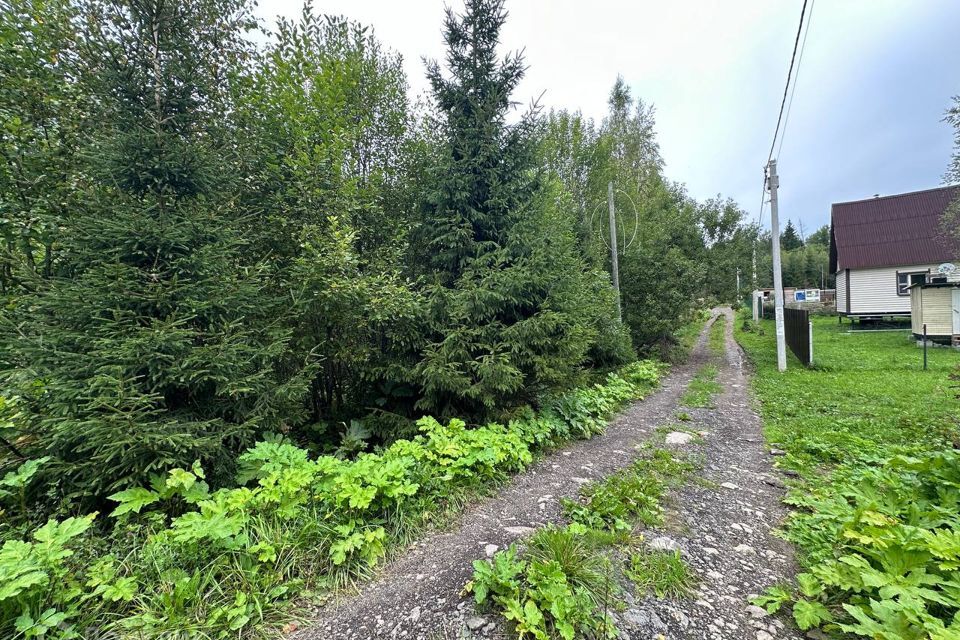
[678, 438]
[519, 531]
[475, 622]
[664, 543]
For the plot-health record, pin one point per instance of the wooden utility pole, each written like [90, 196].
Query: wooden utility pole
[773, 182]
[614, 263]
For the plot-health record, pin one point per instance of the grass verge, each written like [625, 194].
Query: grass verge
[870, 437]
[702, 389]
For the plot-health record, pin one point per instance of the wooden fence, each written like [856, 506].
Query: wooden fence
[796, 324]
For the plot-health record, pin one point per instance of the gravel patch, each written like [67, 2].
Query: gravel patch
[724, 524]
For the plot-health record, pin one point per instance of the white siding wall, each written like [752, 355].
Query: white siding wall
[841, 291]
[875, 290]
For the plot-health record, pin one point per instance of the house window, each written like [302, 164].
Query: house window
[907, 279]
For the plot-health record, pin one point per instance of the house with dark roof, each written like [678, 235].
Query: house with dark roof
[881, 246]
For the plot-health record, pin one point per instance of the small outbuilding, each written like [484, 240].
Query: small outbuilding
[936, 305]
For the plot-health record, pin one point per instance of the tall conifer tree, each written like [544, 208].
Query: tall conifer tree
[506, 313]
[150, 347]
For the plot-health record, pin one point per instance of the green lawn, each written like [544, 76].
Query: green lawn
[876, 495]
[866, 391]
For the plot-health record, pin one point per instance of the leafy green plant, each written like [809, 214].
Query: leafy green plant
[629, 496]
[564, 584]
[773, 598]
[539, 596]
[15, 483]
[38, 589]
[577, 554]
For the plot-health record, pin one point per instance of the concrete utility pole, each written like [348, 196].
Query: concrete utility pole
[773, 182]
[738, 284]
[615, 266]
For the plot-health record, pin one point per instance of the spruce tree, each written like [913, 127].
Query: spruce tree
[504, 312]
[485, 179]
[790, 239]
[150, 347]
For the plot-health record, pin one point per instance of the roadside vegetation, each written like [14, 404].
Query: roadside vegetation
[565, 582]
[265, 317]
[871, 440]
[224, 562]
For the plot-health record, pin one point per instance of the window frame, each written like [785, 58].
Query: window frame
[905, 292]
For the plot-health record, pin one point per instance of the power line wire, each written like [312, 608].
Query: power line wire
[783, 103]
[786, 89]
[763, 198]
[796, 77]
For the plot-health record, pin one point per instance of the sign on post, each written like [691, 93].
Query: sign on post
[806, 295]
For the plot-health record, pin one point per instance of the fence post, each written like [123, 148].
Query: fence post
[924, 346]
[811, 343]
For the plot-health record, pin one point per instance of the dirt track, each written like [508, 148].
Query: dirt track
[722, 522]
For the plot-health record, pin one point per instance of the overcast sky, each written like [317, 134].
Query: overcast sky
[874, 83]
